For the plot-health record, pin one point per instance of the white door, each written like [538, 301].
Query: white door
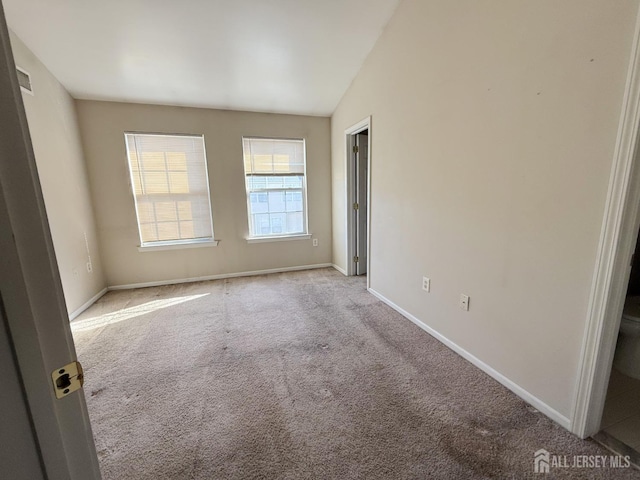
[361, 165]
[34, 315]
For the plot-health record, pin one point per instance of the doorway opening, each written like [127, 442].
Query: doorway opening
[620, 422]
[359, 206]
[358, 196]
[618, 238]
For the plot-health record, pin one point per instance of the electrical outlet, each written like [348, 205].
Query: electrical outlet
[464, 302]
[315, 242]
[426, 284]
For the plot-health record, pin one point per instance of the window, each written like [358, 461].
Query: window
[171, 188]
[276, 186]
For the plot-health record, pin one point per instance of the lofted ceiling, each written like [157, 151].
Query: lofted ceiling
[283, 56]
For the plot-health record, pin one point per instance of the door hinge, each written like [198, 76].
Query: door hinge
[356, 259]
[67, 379]
[356, 206]
[355, 149]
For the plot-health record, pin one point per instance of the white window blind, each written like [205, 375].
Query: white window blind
[171, 188]
[276, 186]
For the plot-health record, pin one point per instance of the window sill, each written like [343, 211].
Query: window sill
[177, 246]
[284, 238]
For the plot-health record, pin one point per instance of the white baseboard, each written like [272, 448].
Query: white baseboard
[87, 304]
[218, 277]
[341, 270]
[515, 388]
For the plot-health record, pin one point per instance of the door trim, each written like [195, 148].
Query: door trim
[364, 124]
[617, 241]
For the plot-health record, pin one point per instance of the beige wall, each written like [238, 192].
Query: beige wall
[63, 177]
[103, 125]
[493, 129]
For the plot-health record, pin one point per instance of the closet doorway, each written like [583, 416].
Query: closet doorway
[359, 196]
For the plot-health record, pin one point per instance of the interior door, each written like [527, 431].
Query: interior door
[34, 315]
[19, 457]
[361, 166]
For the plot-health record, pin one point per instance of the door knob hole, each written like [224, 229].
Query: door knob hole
[63, 381]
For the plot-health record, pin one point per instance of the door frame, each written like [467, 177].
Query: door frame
[34, 307]
[613, 263]
[350, 133]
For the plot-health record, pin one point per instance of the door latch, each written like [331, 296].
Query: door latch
[67, 379]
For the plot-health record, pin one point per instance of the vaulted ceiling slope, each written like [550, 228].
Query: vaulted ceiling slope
[282, 56]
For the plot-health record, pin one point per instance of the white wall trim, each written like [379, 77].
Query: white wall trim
[87, 304]
[514, 387]
[218, 277]
[617, 241]
[340, 269]
[282, 238]
[159, 246]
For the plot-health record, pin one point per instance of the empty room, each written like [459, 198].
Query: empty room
[347, 239]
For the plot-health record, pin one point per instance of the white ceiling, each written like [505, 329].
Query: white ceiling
[285, 56]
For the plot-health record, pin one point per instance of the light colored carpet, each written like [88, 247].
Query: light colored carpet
[301, 375]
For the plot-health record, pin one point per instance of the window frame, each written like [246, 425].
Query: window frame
[177, 243]
[254, 238]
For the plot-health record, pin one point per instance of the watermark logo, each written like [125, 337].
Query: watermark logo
[544, 462]
[541, 461]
